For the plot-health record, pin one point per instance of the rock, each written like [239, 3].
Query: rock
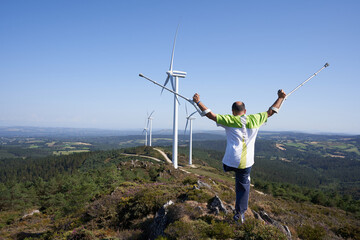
[160, 221]
[266, 217]
[263, 216]
[198, 208]
[202, 184]
[216, 205]
[30, 214]
[231, 207]
[257, 216]
[288, 233]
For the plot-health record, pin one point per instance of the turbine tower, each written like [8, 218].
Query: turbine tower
[146, 133]
[174, 76]
[149, 122]
[189, 118]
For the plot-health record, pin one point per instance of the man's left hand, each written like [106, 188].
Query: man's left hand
[196, 98]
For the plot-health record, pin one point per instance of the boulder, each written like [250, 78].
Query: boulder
[30, 214]
[263, 216]
[202, 184]
[216, 205]
[160, 221]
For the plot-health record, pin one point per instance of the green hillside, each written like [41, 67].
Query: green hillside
[117, 194]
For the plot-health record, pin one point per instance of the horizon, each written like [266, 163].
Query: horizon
[160, 131]
[71, 64]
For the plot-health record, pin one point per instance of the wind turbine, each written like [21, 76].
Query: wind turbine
[189, 118]
[146, 132]
[149, 122]
[173, 77]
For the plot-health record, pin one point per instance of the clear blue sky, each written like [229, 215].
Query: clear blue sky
[76, 63]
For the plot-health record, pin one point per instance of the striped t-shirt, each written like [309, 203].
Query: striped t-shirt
[241, 132]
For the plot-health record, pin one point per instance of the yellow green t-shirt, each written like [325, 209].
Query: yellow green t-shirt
[241, 132]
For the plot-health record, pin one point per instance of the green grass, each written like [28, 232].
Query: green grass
[210, 172]
[296, 144]
[50, 144]
[32, 146]
[69, 152]
[333, 146]
[353, 149]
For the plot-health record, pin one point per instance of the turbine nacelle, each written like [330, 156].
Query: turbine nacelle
[176, 74]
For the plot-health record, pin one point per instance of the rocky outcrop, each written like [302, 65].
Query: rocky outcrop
[30, 214]
[263, 216]
[160, 221]
[203, 185]
[216, 205]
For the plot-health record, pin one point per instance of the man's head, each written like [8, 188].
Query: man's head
[238, 108]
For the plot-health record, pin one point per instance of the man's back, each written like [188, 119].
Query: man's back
[241, 132]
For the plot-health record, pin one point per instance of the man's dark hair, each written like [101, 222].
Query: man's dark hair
[238, 107]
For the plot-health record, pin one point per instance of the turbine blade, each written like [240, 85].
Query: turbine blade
[166, 81]
[151, 113]
[193, 113]
[173, 87]
[173, 50]
[147, 126]
[172, 83]
[186, 126]
[187, 115]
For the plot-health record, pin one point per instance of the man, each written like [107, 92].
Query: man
[241, 131]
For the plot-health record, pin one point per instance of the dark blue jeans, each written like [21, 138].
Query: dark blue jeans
[242, 187]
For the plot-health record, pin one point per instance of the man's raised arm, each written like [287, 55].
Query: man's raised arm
[210, 115]
[277, 104]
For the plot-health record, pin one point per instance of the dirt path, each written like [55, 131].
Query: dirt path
[164, 155]
[143, 156]
[168, 160]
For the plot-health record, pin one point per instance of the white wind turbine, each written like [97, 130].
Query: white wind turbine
[149, 122]
[189, 118]
[174, 76]
[146, 133]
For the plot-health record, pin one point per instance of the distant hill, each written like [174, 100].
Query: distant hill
[60, 132]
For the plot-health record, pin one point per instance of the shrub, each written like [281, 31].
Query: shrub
[254, 229]
[308, 232]
[186, 230]
[189, 180]
[220, 230]
[348, 232]
[145, 202]
[81, 234]
[199, 195]
[175, 213]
